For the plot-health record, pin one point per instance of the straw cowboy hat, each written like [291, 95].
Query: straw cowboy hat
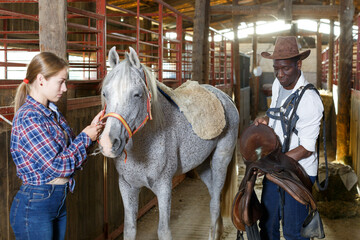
[285, 48]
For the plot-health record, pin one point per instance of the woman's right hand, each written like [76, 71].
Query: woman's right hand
[93, 130]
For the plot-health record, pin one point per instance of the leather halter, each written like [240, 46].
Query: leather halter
[123, 121]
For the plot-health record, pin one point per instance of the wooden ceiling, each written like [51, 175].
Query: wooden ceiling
[254, 10]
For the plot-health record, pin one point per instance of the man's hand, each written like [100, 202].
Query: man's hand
[298, 153]
[261, 120]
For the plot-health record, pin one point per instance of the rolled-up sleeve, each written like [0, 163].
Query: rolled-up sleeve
[310, 112]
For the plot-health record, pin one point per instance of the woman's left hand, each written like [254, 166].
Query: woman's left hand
[96, 119]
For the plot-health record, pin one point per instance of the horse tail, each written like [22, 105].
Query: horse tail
[230, 186]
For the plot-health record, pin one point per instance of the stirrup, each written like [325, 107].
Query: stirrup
[312, 226]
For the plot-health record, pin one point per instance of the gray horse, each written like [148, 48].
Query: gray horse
[163, 147]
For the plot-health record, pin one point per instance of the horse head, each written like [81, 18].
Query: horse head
[126, 94]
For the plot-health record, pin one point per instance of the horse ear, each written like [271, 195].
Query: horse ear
[133, 58]
[113, 57]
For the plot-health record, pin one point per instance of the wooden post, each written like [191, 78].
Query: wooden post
[318, 56]
[331, 57]
[236, 65]
[53, 33]
[200, 56]
[344, 82]
[255, 79]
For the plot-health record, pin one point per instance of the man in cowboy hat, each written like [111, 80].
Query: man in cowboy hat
[300, 141]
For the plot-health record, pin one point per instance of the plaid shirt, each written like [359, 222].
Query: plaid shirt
[39, 146]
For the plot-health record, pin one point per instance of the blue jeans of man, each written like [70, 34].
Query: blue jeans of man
[293, 216]
[39, 212]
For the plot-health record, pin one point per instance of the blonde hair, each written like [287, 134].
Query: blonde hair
[45, 63]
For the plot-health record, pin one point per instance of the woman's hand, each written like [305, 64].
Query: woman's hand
[96, 119]
[95, 128]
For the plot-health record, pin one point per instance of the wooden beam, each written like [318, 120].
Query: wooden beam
[312, 11]
[255, 79]
[318, 57]
[236, 63]
[53, 33]
[200, 42]
[331, 57]
[344, 81]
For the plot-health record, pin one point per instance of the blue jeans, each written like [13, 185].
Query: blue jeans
[39, 212]
[293, 216]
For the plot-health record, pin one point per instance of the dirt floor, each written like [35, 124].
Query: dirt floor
[190, 216]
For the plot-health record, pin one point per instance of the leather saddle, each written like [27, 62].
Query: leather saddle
[261, 152]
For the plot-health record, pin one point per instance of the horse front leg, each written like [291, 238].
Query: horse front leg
[163, 193]
[130, 197]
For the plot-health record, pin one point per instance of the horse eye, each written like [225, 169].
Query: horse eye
[138, 95]
[103, 94]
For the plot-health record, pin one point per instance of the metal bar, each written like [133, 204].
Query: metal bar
[121, 9]
[161, 44]
[225, 60]
[149, 44]
[138, 27]
[212, 56]
[20, 1]
[86, 13]
[81, 46]
[101, 38]
[3, 40]
[120, 23]
[179, 36]
[19, 32]
[121, 36]
[18, 14]
[174, 10]
[83, 27]
[9, 64]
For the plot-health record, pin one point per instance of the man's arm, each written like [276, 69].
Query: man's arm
[298, 153]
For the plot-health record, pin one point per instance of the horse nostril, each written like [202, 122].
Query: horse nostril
[116, 143]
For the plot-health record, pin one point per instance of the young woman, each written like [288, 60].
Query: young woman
[45, 151]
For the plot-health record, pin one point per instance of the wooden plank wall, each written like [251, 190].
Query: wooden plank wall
[355, 131]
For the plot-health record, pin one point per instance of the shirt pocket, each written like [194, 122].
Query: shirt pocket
[58, 135]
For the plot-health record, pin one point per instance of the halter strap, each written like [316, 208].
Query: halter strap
[123, 121]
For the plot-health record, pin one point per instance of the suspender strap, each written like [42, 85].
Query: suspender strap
[287, 114]
[288, 119]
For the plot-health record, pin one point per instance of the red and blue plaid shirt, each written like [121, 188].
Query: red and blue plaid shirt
[39, 147]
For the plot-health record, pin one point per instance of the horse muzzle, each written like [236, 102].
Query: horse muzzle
[111, 147]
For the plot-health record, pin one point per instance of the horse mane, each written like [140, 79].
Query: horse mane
[156, 110]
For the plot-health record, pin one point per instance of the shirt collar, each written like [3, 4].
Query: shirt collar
[301, 82]
[46, 111]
